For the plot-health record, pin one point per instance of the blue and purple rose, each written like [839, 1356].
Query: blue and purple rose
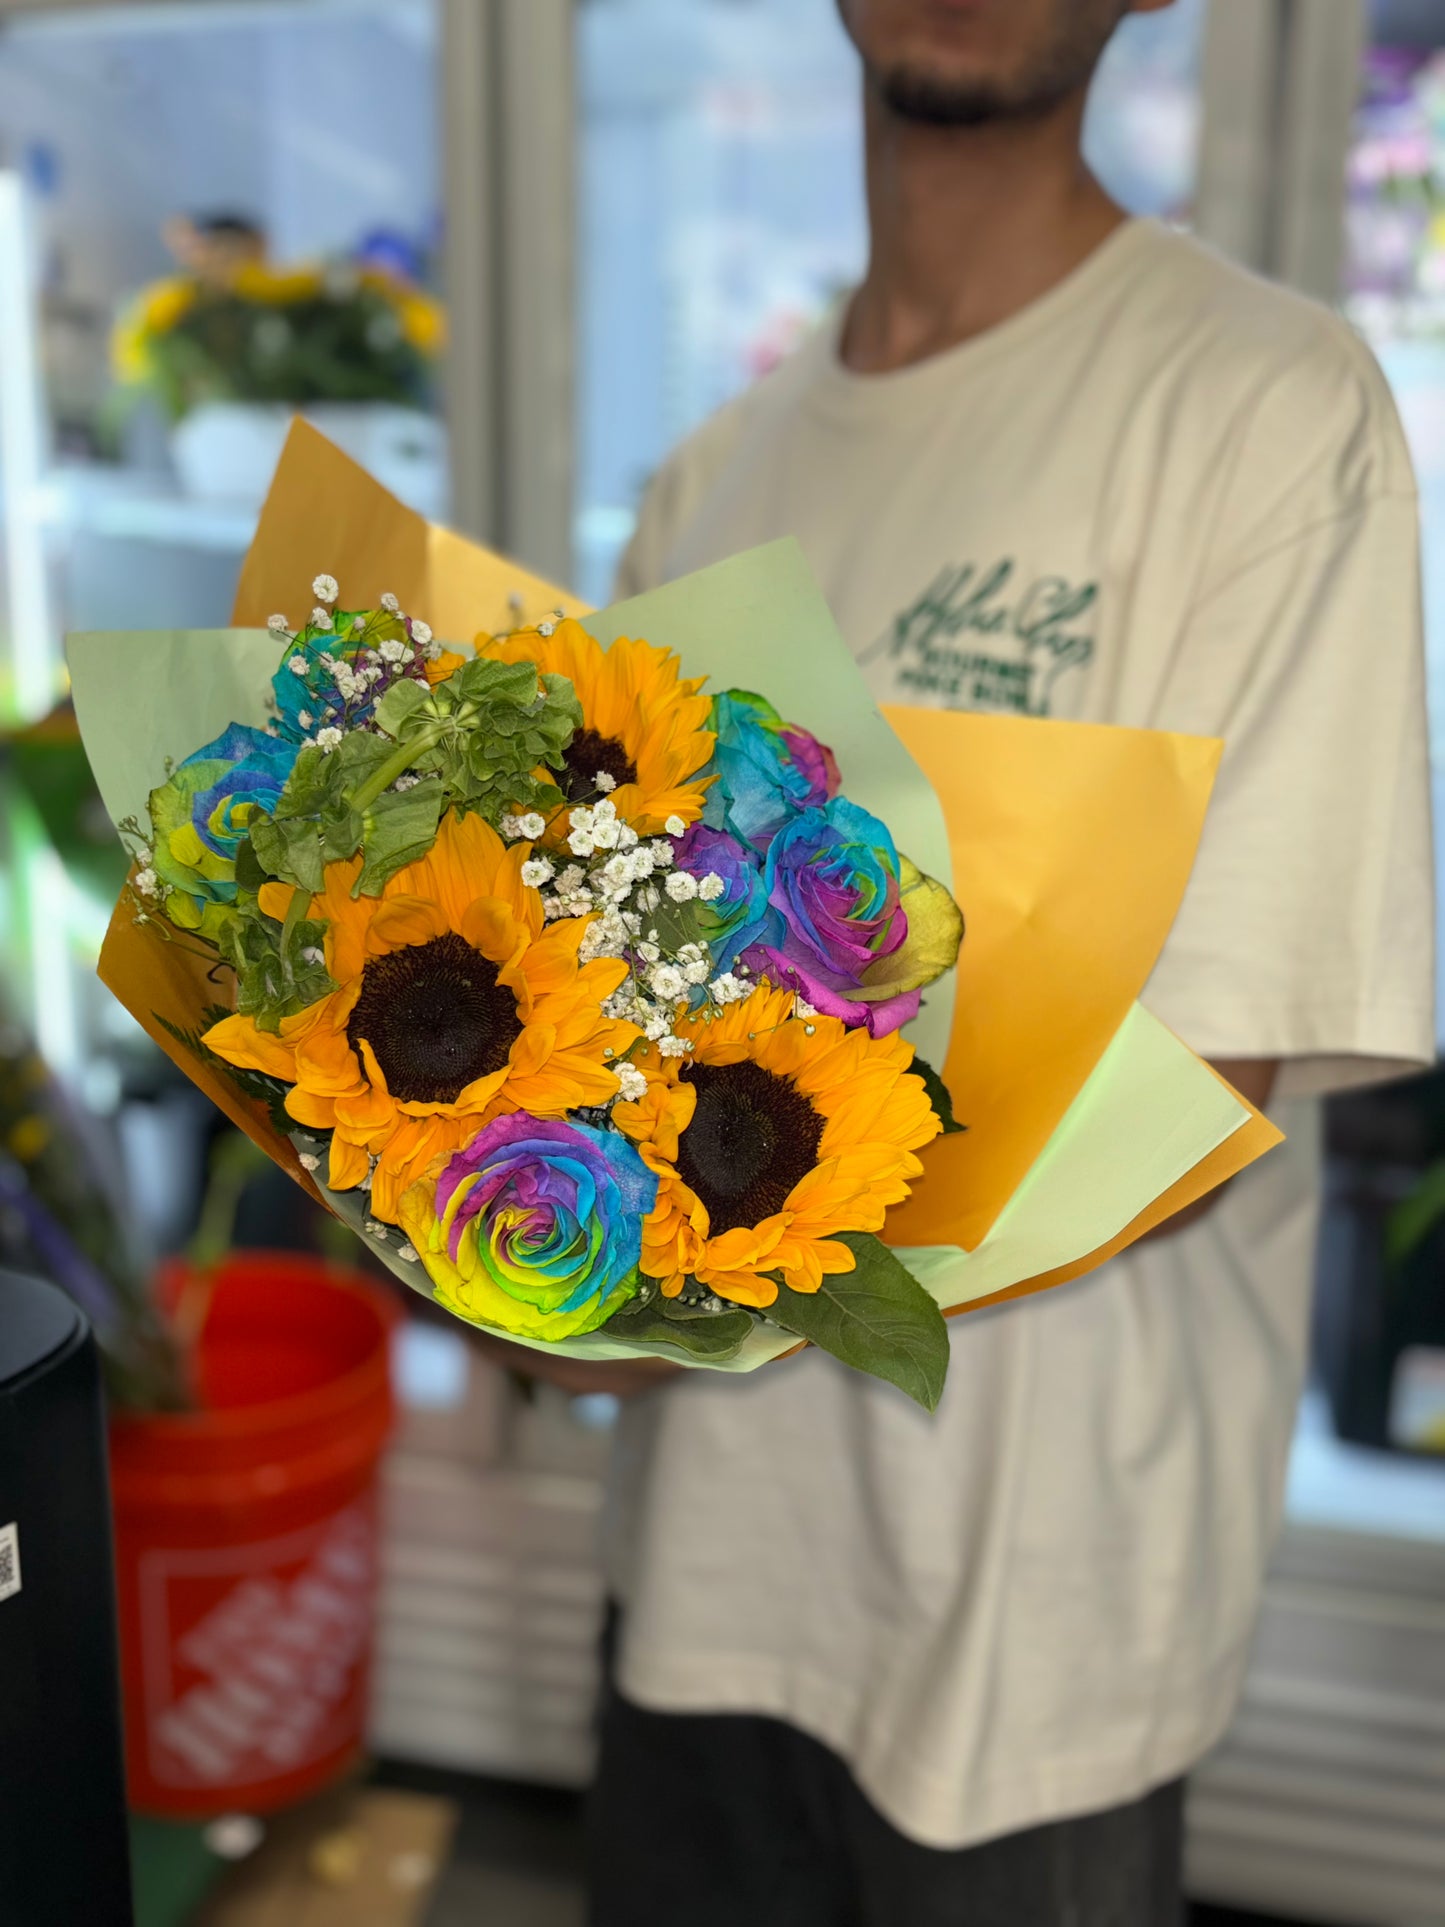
[741, 916]
[766, 770]
[834, 878]
[535, 1227]
[334, 677]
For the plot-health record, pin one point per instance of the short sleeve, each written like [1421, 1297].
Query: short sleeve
[1307, 930]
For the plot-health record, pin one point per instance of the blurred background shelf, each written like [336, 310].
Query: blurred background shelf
[129, 507]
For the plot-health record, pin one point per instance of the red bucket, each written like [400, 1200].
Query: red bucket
[246, 1548]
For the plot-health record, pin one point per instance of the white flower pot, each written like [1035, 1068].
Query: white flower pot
[228, 451]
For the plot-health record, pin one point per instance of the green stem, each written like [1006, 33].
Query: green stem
[300, 902]
[397, 764]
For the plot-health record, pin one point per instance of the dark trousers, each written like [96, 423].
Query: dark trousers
[724, 1820]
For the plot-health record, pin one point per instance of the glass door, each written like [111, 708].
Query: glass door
[211, 214]
[720, 208]
[221, 212]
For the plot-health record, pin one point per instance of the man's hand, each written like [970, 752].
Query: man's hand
[623, 1378]
[1253, 1078]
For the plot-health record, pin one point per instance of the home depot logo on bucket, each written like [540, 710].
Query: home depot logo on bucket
[255, 1655]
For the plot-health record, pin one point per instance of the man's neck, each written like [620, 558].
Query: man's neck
[969, 225]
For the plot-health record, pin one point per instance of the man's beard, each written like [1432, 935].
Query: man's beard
[1061, 70]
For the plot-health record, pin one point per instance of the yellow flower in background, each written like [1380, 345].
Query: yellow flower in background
[28, 1137]
[642, 723]
[155, 311]
[274, 287]
[167, 302]
[423, 322]
[455, 1002]
[773, 1136]
[129, 352]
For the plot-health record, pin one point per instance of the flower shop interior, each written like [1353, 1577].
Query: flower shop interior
[378, 188]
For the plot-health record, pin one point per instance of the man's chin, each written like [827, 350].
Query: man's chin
[931, 99]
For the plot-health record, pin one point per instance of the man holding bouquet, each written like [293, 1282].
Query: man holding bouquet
[884, 1669]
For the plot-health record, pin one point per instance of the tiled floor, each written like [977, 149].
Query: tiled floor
[517, 1858]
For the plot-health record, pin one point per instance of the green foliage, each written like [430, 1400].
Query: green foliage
[667, 1323]
[495, 731]
[1415, 1217]
[274, 976]
[332, 808]
[876, 1318]
[475, 741]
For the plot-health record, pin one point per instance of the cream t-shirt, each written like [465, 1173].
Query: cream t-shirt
[1166, 494]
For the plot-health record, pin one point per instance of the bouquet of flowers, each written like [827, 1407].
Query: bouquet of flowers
[298, 335]
[592, 996]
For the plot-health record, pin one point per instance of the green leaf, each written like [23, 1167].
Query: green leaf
[484, 680]
[401, 827]
[939, 1095]
[1412, 1220]
[876, 1318]
[271, 985]
[250, 873]
[714, 1336]
[400, 704]
[291, 851]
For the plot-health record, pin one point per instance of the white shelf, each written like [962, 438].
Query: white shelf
[137, 507]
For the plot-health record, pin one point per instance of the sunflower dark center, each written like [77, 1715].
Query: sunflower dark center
[436, 1017]
[586, 754]
[751, 1139]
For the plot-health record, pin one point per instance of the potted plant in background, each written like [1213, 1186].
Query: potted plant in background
[232, 347]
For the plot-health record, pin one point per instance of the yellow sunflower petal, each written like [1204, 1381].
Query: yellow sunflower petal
[349, 1164]
[238, 1040]
[403, 921]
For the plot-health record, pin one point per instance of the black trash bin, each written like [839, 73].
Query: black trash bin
[64, 1860]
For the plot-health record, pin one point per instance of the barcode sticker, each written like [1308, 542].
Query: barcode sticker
[9, 1560]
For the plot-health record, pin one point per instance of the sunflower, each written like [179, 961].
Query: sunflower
[772, 1136]
[642, 724]
[454, 1002]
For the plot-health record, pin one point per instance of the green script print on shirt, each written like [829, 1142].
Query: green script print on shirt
[988, 639]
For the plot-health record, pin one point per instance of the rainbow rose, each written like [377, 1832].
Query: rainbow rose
[535, 1227]
[865, 931]
[741, 915]
[201, 816]
[333, 674]
[766, 770]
